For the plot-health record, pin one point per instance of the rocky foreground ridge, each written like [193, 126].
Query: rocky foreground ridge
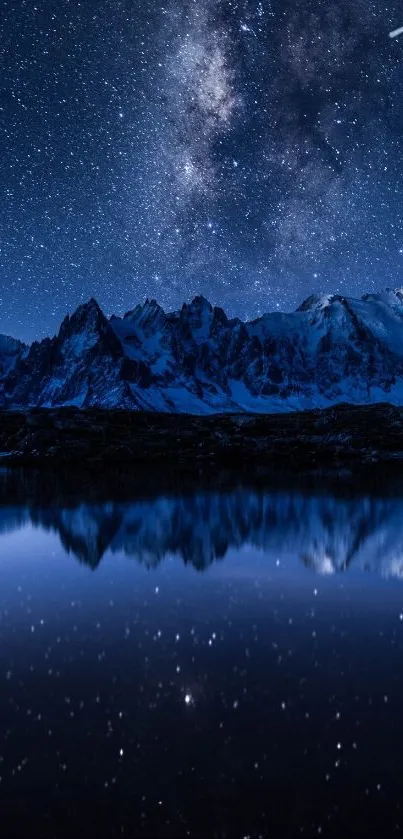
[141, 442]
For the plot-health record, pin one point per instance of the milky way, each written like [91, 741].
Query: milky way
[249, 151]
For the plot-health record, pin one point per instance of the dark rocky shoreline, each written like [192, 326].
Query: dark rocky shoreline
[340, 437]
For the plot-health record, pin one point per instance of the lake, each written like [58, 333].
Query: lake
[210, 663]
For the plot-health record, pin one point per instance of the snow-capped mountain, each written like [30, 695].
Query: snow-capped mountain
[332, 349]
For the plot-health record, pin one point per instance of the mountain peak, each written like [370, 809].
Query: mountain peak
[87, 315]
[388, 296]
[90, 307]
[316, 302]
[200, 302]
[149, 309]
[84, 329]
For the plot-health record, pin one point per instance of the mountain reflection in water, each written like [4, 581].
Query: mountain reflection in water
[328, 533]
[147, 699]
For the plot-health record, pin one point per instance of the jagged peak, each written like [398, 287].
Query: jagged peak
[87, 317]
[398, 291]
[84, 309]
[149, 307]
[91, 305]
[219, 314]
[317, 301]
[198, 303]
[388, 296]
[131, 313]
[7, 342]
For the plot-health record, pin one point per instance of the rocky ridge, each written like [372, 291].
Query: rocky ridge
[333, 349]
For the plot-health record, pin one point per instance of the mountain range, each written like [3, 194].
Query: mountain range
[332, 349]
[328, 534]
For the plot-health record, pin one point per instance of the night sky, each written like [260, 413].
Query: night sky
[248, 151]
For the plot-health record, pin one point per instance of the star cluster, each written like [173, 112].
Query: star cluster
[249, 151]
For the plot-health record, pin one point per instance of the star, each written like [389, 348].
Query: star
[197, 148]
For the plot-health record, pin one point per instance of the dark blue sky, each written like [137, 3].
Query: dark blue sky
[249, 151]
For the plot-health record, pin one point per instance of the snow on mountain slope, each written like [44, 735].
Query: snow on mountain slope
[332, 349]
[80, 366]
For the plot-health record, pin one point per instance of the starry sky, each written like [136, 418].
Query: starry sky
[248, 151]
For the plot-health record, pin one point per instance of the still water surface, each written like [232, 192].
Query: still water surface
[216, 664]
